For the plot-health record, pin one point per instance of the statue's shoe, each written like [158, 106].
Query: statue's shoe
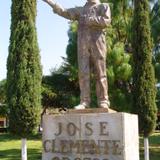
[81, 106]
[104, 105]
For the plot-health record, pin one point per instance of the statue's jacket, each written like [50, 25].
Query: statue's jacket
[92, 19]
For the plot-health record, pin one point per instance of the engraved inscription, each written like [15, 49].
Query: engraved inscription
[89, 130]
[62, 147]
[72, 129]
[66, 158]
[103, 129]
[83, 147]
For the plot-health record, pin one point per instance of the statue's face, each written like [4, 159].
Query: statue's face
[95, 1]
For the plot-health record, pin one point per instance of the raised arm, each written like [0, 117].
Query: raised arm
[71, 14]
[50, 2]
[101, 20]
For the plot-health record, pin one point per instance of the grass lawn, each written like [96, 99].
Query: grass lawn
[10, 147]
[154, 142]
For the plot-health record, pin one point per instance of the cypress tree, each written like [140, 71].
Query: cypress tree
[143, 78]
[24, 69]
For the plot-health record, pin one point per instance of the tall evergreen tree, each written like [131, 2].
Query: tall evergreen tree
[24, 69]
[144, 79]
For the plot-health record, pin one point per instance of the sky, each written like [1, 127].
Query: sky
[52, 34]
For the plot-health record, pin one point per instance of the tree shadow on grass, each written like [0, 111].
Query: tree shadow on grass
[154, 154]
[8, 137]
[15, 154]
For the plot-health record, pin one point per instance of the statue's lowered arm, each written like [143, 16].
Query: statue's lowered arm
[71, 14]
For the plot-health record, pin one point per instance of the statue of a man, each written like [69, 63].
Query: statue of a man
[92, 19]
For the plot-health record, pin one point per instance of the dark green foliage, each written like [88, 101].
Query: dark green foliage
[71, 61]
[119, 57]
[24, 69]
[48, 94]
[119, 72]
[156, 60]
[144, 80]
[4, 110]
[155, 27]
[158, 99]
[155, 22]
[59, 91]
[3, 91]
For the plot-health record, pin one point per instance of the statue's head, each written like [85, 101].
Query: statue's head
[93, 1]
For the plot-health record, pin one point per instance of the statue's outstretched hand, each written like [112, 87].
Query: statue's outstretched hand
[49, 1]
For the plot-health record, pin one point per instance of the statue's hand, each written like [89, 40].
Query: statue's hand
[46, 0]
[49, 1]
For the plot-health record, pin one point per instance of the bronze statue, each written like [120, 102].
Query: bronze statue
[92, 19]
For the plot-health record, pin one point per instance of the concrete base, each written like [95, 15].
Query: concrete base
[81, 135]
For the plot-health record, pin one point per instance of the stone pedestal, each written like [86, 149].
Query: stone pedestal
[90, 136]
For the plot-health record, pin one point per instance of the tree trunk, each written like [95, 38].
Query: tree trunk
[146, 149]
[24, 149]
